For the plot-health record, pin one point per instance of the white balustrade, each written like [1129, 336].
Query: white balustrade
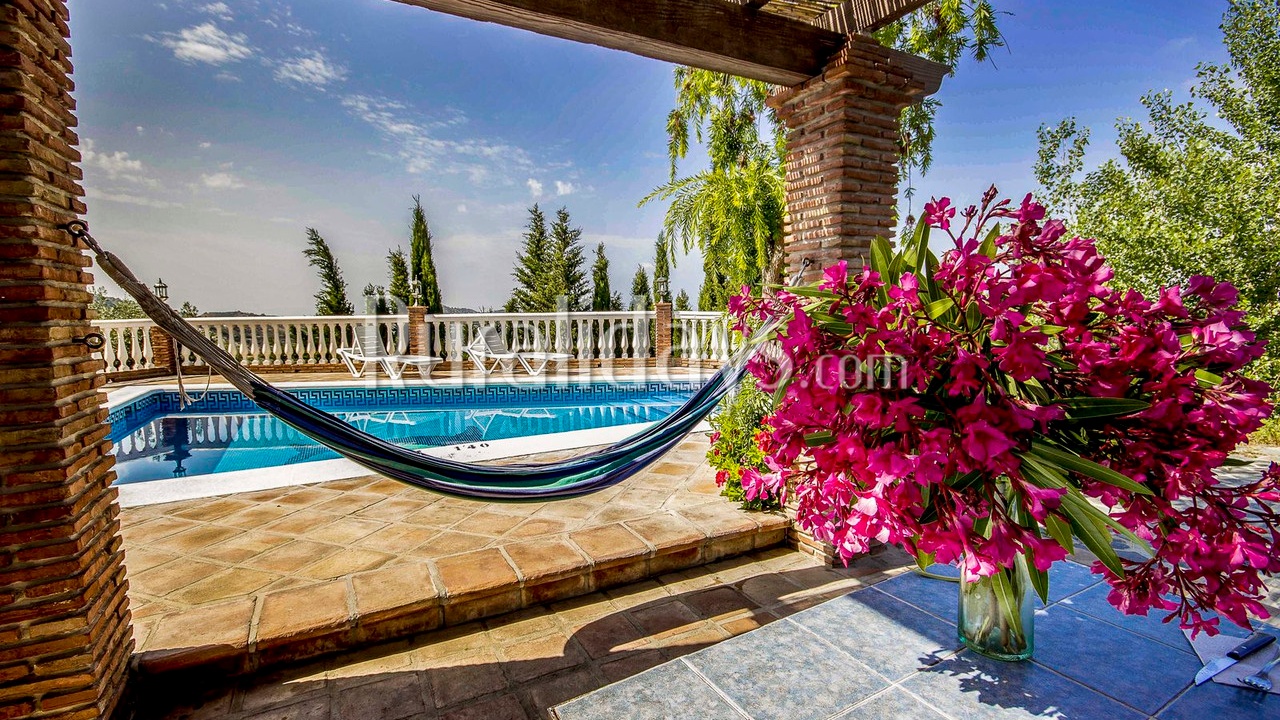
[265, 342]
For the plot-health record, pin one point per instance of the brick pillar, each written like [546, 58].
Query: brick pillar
[662, 333]
[64, 617]
[417, 330]
[163, 351]
[842, 151]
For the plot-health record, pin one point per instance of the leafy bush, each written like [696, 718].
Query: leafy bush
[734, 448]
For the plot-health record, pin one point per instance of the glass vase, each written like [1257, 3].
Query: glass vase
[997, 613]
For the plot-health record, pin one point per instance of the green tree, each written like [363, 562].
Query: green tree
[601, 294]
[682, 302]
[662, 270]
[107, 307]
[332, 298]
[423, 266]
[375, 300]
[533, 265]
[733, 210]
[189, 310]
[641, 297]
[1189, 195]
[399, 286]
[568, 277]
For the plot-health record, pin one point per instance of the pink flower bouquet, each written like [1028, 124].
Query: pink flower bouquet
[1002, 403]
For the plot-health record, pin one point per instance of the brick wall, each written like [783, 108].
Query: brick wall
[64, 618]
[842, 151]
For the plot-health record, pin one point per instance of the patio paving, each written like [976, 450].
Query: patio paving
[890, 651]
[243, 582]
[519, 665]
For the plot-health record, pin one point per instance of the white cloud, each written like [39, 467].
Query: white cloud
[94, 195]
[462, 209]
[535, 188]
[311, 68]
[206, 145]
[217, 9]
[206, 43]
[221, 181]
[115, 166]
[565, 188]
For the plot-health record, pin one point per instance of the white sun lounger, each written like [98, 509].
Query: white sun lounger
[490, 352]
[368, 350]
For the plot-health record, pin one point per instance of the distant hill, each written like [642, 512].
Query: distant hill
[231, 313]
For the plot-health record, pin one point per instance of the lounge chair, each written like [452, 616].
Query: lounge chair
[489, 352]
[368, 350]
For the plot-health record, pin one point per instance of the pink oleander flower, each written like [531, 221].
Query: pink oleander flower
[980, 370]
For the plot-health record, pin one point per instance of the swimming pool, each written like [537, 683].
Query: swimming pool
[226, 433]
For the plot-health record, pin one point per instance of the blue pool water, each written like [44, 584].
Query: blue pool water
[225, 432]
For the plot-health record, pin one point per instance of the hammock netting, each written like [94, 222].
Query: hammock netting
[511, 483]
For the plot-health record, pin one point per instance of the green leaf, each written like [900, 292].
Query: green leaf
[966, 481]
[1094, 537]
[1083, 408]
[809, 291]
[1208, 379]
[1089, 468]
[1039, 578]
[782, 390]
[881, 257]
[1236, 462]
[938, 308]
[1050, 330]
[924, 560]
[972, 316]
[822, 437]
[988, 246]
[1060, 531]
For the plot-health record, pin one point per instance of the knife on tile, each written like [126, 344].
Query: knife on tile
[1256, 642]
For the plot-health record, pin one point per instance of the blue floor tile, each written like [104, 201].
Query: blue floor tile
[936, 597]
[784, 672]
[1212, 701]
[668, 691]
[969, 687]
[1069, 578]
[886, 634]
[1093, 602]
[1140, 672]
[892, 704]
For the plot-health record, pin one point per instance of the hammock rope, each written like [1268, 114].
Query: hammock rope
[506, 483]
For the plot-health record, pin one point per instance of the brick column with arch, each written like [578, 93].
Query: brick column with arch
[65, 637]
[843, 151]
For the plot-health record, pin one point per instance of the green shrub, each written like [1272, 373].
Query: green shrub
[733, 444]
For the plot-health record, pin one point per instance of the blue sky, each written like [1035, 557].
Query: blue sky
[215, 132]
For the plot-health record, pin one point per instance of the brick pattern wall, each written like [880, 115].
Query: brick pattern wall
[64, 617]
[842, 152]
[662, 329]
[162, 348]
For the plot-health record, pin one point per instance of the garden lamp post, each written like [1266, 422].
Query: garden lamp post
[161, 290]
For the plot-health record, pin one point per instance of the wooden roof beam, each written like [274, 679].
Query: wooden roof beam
[864, 16]
[710, 34]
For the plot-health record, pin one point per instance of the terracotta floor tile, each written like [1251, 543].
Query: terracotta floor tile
[719, 520]
[609, 635]
[517, 626]
[669, 467]
[348, 503]
[620, 513]
[392, 509]
[291, 557]
[571, 509]
[308, 496]
[386, 589]
[397, 538]
[544, 559]
[503, 707]
[719, 603]
[665, 619]
[299, 524]
[222, 624]
[547, 694]
[534, 658]
[632, 663]
[213, 508]
[345, 531]
[437, 516]
[344, 562]
[303, 610]
[480, 676]
[256, 516]
[190, 541]
[137, 559]
[154, 529]
[173, 575]
[667, 531]
[224, 585]
[243, 546]
[488, 523]
[383, 486]
[444, 544]
[636, 594]
[479, 571]
[395, 697]
[352, 483]
[578, 611]
[538, 527]
[609, 543]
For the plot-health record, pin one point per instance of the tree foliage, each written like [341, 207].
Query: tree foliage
[662, 269]
[332, 298]
[732, 211]
[426, 283]
[532, 264]
[568, 277]
[641, 297]
[603, 298]
[399, 286]
[189, 310]
[1190, 194]
[682, 302]
[106, 307]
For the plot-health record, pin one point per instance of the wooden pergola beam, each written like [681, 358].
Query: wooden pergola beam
[710, 34]
[855, 16]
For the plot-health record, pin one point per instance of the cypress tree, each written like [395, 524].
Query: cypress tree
[567, 275]
[420, 260]
[682, 302]
[332, 298]
[398, 273]
[641, 298]
[601, 294]
[662, 269]
[532, 267]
